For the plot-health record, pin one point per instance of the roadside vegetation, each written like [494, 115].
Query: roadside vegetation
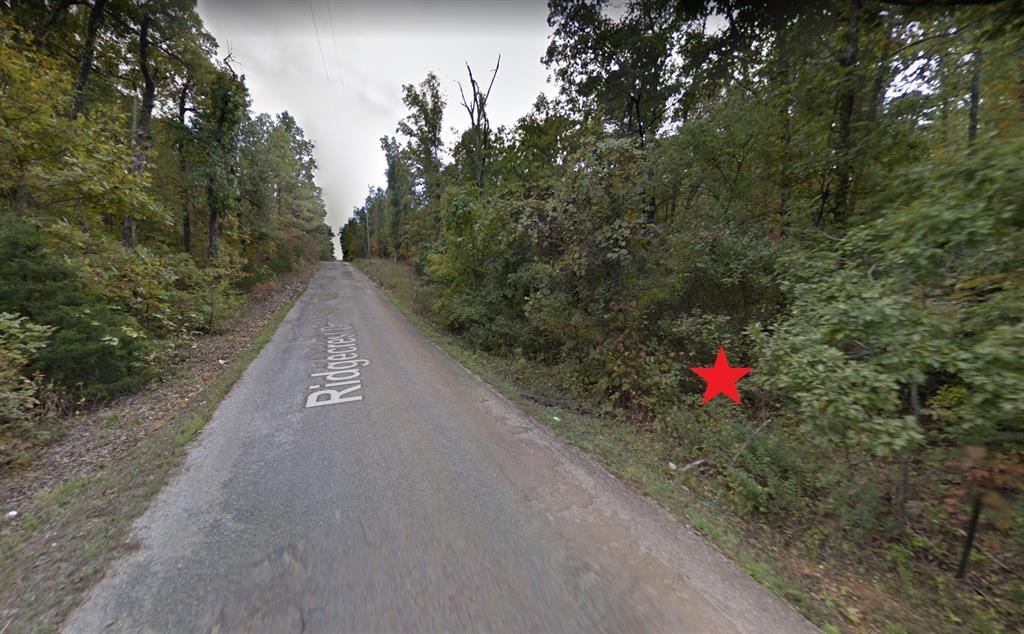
[75, 508]
[833, 192]
[143, 202]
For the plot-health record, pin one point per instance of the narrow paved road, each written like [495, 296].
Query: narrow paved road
[410, 497]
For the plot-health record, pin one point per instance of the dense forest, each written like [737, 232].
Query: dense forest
[832, 191]
[143, 200]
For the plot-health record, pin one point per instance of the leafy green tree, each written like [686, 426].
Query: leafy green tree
[399, 196]
[829, 190]
[220, 111]
[423, 127]
[91, 248]
[50, 164]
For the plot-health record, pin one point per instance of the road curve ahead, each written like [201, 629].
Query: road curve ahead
[328, 494]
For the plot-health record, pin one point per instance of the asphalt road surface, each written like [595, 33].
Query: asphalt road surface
[429, 503]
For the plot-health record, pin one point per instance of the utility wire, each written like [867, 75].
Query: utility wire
[323, 60]
[337, 57]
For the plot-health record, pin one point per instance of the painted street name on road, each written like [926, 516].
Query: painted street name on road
[341, 381]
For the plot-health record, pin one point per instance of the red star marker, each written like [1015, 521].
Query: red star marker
[721, 378]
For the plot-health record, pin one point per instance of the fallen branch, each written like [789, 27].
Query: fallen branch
[693, 465]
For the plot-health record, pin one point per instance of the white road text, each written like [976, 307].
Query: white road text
[341, 381]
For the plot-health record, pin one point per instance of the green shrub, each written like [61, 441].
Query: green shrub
[205, 298]
[253, 274]
[767, 470]
[95, 351]
[858, 505]
[168, 294]
[20, 342]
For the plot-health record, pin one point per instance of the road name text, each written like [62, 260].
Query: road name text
[341, 381]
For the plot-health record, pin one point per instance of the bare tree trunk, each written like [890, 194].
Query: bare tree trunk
[186, 87]
[186, 230]
[128, 231]
[786, 113]
[186, 216]
[86, 57]
[847, 100]
[880, 82]
[972, 527]
[186, 224]
[975, 99]
[380, 229]
[784, 167]
[128, 222]
[142, 130]
[651, 213]
[479, 124]
[148, 96]
[20, 191]
[901, 492]
[211, 197]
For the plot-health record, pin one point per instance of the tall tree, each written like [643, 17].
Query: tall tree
[619, 67]
[86, 54]
[479, 124]
[219, 115]
[183, 135]
[398, 194]
[849, 87]
[141, 137]
[423, 126]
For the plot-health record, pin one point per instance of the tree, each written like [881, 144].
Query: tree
[220, 112]
[479, 124]
[829, 190]
[170, 39]
[166, 135]
[621, 68]
[422, 126]
[86, 54]
[50, 163]
[399, 195]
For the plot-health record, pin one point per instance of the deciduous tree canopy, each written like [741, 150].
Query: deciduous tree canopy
[833, 191]
[124, 142]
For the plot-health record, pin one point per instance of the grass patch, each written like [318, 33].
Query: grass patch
[839, 591]
[55, 550]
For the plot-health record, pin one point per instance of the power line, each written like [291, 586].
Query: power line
[323, 60]
[337, 57]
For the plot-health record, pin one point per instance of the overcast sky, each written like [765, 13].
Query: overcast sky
[351, 95]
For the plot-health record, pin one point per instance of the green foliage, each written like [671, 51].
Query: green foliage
[73, 168]
[102, 190]
[904, 300]
[20, 342]
[831, 191]
[95, 350]
[423, 128]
